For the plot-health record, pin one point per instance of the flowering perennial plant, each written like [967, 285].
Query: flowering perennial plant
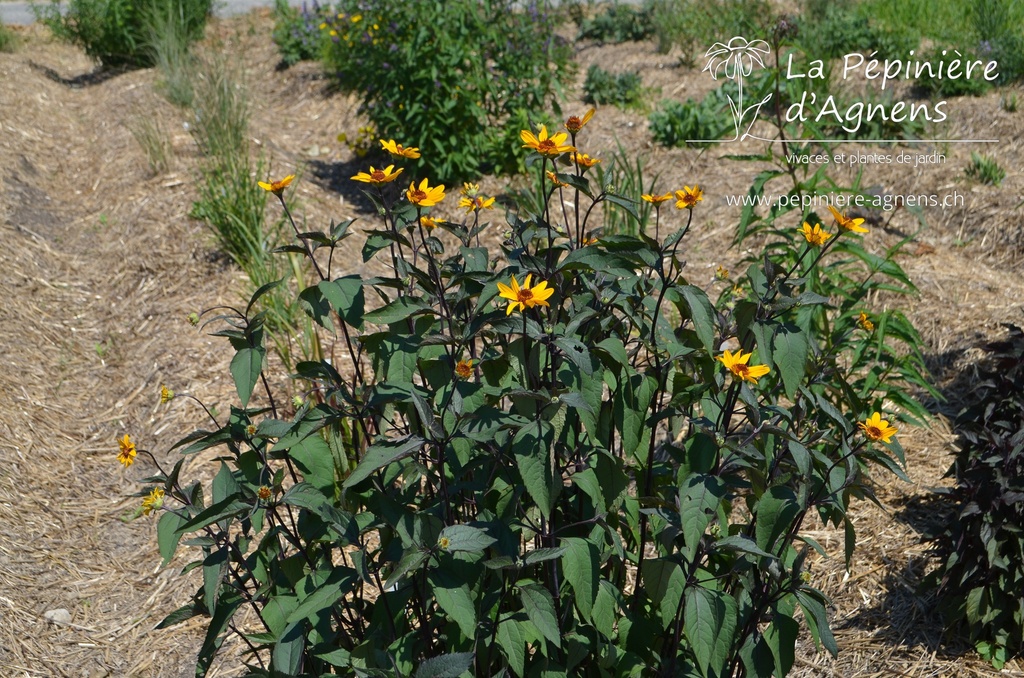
[538, 460]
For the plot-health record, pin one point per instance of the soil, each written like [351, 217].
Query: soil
[102, 264]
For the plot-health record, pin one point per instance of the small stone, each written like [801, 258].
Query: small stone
[58, 616]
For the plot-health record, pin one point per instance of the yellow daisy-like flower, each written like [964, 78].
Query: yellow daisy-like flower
[656, 199]
[737, 364]
[154, 501]
[846, 223]
[464, 369]
[583, 160]
[554, 179]
[398, 150]
[876, 428]
[721, 273]
[425, 195]
[264, 493]
[469, 190]
[865, 322]
[476, 204]
[277, 187]
[127, 454]
[816, 236]
[430, 223]
[688, 197]
[555, 145]
[378, 177]
[525, 297]
[166, 395]
[574, 123]
[444, 542]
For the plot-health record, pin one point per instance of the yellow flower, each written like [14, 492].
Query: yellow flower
[356, 18]
[554, 179]
[430, 223]
[737, 364]
[657, 199]
[542, 144]
[464, 369]
[398, 150]
[583, 160]
[425, 196]
[444, 542]
[865, 322]
[688, 197]
[166, 395]
[378, 177]
[127, 454]
[846, 223]
[589, 241]
[154, 501]
[264, 493]
[525, 297]
[470, 190]
[815, 236]
[476, 204]
[876, 428]
[574, 124]
[721, 273]
[277, 187]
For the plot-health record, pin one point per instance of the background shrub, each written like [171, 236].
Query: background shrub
[624, 90]
[619, 23]
[8, 39]
[116, 32]
[981, 581]
[297, 32]
[691, 123]
[448, 91]
[694, 25]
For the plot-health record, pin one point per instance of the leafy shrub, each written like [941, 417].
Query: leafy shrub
[568, 480]
[116, 32]
[618, 23]
[832, 30]
[974, 86]
[693, 25]
[692, 123]
[985, 170]
[297, 32]
[981, 581]
[624, 90]
[8, 39]
[446, 75]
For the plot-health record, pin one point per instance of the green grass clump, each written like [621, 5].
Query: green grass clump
[618, 23]
[624, 90]
[985, 170]
[693, 123]
[8, 39]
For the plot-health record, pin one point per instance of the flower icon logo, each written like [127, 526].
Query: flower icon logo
[736, 60]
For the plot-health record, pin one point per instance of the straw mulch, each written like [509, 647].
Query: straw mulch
[102, 264]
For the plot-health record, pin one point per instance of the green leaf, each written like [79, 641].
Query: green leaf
[540, 608]
[580, 562]
[466, 538]
[606, 609]
[399, 309]
[541, 555]
[183, 613]
[231, 506]
[214, 567]
[215, 632]
[781, 635]
[315, 305]
[455, 600]
[315, 461]
[698, 501]
[168, 534]
[532, 447]
[817, 619]
[513, 644]
[323, 597]
[245, 370]
[380, 455]
[631, 403]
[286, 659]
[665, 582]
[709, 620]
[445, 666]
[702, 313]
[345, 295]
[263, 289]
[775, 513]
[789, 352]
